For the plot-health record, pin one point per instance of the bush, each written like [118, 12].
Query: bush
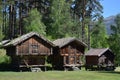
[4, 59]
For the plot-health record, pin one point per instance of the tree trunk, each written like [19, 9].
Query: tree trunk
[89, 36]
[83, 20]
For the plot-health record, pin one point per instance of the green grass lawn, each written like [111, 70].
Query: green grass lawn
[60, 75]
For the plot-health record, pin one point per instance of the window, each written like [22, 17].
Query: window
[34, 48]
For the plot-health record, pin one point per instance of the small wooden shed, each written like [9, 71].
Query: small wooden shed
[67, 53]
[102, 58]
[29, 51]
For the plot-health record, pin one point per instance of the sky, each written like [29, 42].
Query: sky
[110, 7]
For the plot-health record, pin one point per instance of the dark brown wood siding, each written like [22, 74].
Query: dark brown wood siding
[91, 60]
[32, 52]
[71, 54]
[68, 55]
[33, 46]
[104, 61]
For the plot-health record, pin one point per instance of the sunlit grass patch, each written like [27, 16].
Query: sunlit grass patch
[60, 75]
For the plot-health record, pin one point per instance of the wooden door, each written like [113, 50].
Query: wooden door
[72, 60]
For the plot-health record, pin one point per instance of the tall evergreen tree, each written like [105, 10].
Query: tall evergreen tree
[114, 39]
[33, 22]
[99, 35]
[87, 9]
[9, 17]
[14, 13]
[57, 15]
[1, 21]
[62, 23]
[0, 14]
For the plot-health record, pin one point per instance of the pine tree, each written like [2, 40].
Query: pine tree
[99, 35]
[114, 39]
[1, 21]
[0, 14]
[33, 22]
[61, 22]
[87, 9]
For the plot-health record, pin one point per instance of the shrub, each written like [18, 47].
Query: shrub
[4, 59]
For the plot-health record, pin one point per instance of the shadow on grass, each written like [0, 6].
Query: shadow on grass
[112, 72]
[5, 67]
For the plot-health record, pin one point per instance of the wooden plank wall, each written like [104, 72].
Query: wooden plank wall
[71, 55]
[33, 47]
[91, 60]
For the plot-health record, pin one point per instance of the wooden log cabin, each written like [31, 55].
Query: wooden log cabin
[67, 53]
[100, 59]
[29, 51]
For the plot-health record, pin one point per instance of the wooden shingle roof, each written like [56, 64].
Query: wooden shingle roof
[64, 41]
[97, 52]
[4, 42]
[22, 38]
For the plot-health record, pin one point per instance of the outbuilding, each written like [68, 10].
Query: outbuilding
[67, 53]
[101, 58]
[29, 51]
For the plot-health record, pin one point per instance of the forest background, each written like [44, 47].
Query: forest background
[58, 19]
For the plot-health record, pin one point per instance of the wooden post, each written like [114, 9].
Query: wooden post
[17, 50]
[29, 48]
[45, 68]
[75, 54]
[69, 55]
[26, 63]
[64, 59]
[45, 63]
[51, 51]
